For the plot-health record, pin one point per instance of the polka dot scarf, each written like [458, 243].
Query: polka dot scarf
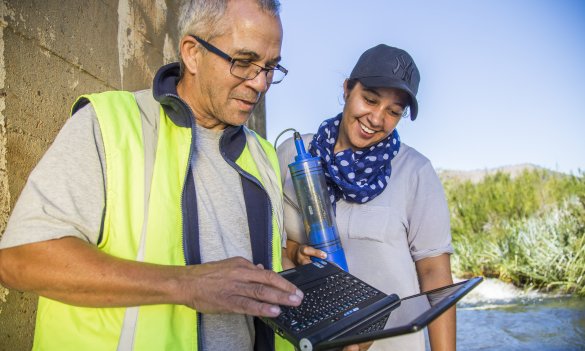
[356, 176]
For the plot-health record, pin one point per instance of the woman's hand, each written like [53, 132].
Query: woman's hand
[301, 254]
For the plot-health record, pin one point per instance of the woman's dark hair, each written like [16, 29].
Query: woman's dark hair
[351, 84]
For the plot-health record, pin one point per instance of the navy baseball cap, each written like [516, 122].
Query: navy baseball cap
[385, 66]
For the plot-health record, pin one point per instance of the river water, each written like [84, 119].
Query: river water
[497, 316]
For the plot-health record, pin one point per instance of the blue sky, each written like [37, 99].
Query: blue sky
[502, 82]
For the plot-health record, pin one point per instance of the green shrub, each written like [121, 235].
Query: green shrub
[528, 230]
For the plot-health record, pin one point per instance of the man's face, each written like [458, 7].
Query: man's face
[219, 98]
[369, 115]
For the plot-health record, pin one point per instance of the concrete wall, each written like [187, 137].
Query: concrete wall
[52, 51]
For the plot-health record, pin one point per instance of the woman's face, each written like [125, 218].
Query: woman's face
[369, 115]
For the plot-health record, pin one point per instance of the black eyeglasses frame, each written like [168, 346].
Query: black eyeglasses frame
[233, 61]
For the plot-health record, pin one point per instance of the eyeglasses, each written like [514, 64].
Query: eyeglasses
[244, 69]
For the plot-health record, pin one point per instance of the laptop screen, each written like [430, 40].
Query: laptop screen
[409, 314]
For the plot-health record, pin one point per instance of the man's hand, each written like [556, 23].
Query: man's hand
[235, 285]
[74, 272]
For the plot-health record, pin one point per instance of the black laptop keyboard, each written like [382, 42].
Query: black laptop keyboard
[333, 300]
[376, 326]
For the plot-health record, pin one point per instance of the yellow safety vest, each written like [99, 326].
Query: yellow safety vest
[156, 327]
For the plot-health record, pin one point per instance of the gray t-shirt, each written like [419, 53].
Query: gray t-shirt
[223, 233]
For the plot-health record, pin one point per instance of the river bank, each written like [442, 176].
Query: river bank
[499, 316]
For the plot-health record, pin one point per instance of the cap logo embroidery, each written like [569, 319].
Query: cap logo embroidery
[406, 66]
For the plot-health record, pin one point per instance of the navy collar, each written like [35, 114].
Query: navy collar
[164, 90]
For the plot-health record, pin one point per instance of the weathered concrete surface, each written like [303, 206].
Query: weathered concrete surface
[50, 53]
[4, 193]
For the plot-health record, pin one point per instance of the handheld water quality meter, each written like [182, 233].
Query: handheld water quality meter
[313, 199]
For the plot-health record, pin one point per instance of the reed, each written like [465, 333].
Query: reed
[528, 230]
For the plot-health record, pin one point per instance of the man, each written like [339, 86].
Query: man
[148, 223]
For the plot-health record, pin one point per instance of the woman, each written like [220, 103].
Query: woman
[391, 211]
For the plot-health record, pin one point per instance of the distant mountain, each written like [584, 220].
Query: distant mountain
[478, 175]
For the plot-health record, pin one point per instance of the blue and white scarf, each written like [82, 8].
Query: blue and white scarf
[356, 176]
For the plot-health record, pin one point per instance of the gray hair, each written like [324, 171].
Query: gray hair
[203, 17]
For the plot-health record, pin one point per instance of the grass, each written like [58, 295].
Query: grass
[529, 230]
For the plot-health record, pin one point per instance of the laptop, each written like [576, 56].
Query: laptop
[339, 309]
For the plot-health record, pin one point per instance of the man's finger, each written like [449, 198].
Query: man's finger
[267, 294]
[271, 279]
[254, 308]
